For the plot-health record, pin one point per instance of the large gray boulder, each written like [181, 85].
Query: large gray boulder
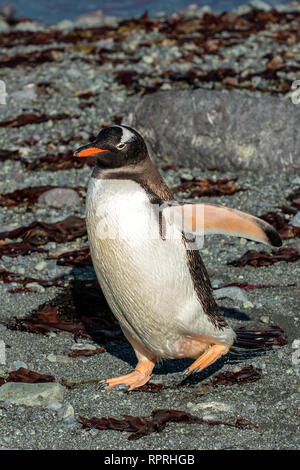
[219, 129]
[32, 394]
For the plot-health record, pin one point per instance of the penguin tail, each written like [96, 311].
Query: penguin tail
[258, 339]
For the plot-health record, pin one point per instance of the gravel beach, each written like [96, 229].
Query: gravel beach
[64, 82]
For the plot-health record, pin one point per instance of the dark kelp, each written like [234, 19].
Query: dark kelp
[261, 258]
[208, 187]
[40, 233]
[26, 376]
[157, 422]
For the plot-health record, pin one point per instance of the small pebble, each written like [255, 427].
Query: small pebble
[40, 266]
[296, 344]
[250, 408]
[66, 413]
[295, 221]
[35, 286]
[55, 405]
[51, 357]
[265, 319]
[80, 346]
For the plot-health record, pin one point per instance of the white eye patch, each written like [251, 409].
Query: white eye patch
[127, 135]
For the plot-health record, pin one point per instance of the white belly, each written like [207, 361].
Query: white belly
[145, 279]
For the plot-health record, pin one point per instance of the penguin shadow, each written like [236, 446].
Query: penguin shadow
[122, 350]
[172, 368]
[234, 313]
[84, 302]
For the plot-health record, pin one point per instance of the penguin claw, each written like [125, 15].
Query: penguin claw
[188, 371]
[102, 384]
[128, 382]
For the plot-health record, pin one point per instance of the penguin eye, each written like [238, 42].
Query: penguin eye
[121, 146]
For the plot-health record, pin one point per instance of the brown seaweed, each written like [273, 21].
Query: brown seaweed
[261, 258]
[157, 422]
[40, 233]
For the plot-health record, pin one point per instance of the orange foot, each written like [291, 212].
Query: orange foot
[140, 376]
[207, 358]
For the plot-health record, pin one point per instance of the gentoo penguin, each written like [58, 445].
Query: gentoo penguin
[141, 243]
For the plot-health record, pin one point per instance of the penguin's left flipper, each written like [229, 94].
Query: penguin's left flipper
[205, 219]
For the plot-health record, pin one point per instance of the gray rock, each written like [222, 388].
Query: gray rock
[260, 5]
[55, 405]
[296, 344]
[193, 11]
[54, 272]
[80, 346]
[241, 10]
[40, 266]
[4, 27]
[35, 286]
[20, 270]
[65, 25]
[39, 394]
[51, 357]
[219, 129]
[234, 293]
[29, 26]
[7, 10]
[94, 19]
[265, 319]
[15, 365]
[250, 408]
[296, 220]
[59, 197]
[26, 93]
[66, 413]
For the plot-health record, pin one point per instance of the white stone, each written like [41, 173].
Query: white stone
[35, 286]
[265, 319]
[148, 59]
[94, 18]
[295, 221]
[64, 24]
[80, 346]
[55, 405]
[4, 27]
[66, 413]
[213, 405]
[26, 93]
[29, 26]
[260, 5]
[296, 344]
[40, 266]
[51, 357]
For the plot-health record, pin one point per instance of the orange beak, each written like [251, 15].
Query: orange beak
[88, 151]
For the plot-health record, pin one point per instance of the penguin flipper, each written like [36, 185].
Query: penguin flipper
[205, 219]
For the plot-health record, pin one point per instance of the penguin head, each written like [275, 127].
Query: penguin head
[115, 147]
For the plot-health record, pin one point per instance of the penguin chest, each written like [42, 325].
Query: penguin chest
[143, 276]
